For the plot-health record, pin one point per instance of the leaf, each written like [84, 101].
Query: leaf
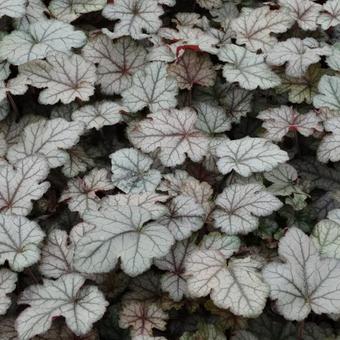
[240, 205]
[281, 120]
[14, 9]
[248, 155]
[247, 68]
[150, 201]
[121, 232]
[329, 87]
[14, 86]
[205, 331]
[237, 286]
[142, 318]
[330, 15]
[22, 183]
[333, 59]
[305, 13]
[174, 281]
[255, 26]
[298, 54]
[174, 133]
[70, 10]
[49, 138]
[193, 69]
[63, 78]
[326, 235]
[20, 239]
[35, 11]
[184, 217]
[131, 171]
[117, 61]
[80, 305]
[40, 40]
[8, 281]
[329, 147]
[152, 88]
[136, 18]
[304, 282]
[57, 257]
[81, 192]
[98, 115]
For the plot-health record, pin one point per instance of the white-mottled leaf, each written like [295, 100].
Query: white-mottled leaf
[174, 133]
[141, 318]
[333, 60]
[326, 235]
[237, 286]
[150, 201]
[20, 239]
[62, 77]
[247, 68]
[173, 281]
[121, 232]
[99, 114]
[330, 15]
[304, 282]
[239, 207]
[305, 12]
[299, 54]
[281, 120]
[70, 10]
[36, 11]
[117, 61]
[248, 155]
[13, 9]
[137, 18]
[151, 87]
[185, 216]
[14, 86]
[49, 138]
[81, 306]
[58, 252]
[329, 147]
[40, 40]
[329, 89]
[193, 69]
[22, 183]
[8, 281]
[254, 27]
[131, 171]
[81, 192]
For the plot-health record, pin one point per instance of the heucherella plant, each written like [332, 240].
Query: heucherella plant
[169, 169]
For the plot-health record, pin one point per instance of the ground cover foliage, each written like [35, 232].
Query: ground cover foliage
[169, 169]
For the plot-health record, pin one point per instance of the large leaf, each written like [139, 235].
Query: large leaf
[117, 61]
[121, 232]
[298, 54]
[81, 192]
[40, 40]
[247, 68]
[131, 171]
[49, 138]
[63, 78]
[80, 306]
[237, 286]
[14, 9]
[135, 17]
[21, 184]
[20, 239]
[174, 133]
[240, 205]
[255, 26]
[151, 87]
[329, 87]
[174, 281]
[330, 15]
[248, 155]
[8, 281]
[142, 317]
[326, 235]
[329, 147]
[304, 282]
